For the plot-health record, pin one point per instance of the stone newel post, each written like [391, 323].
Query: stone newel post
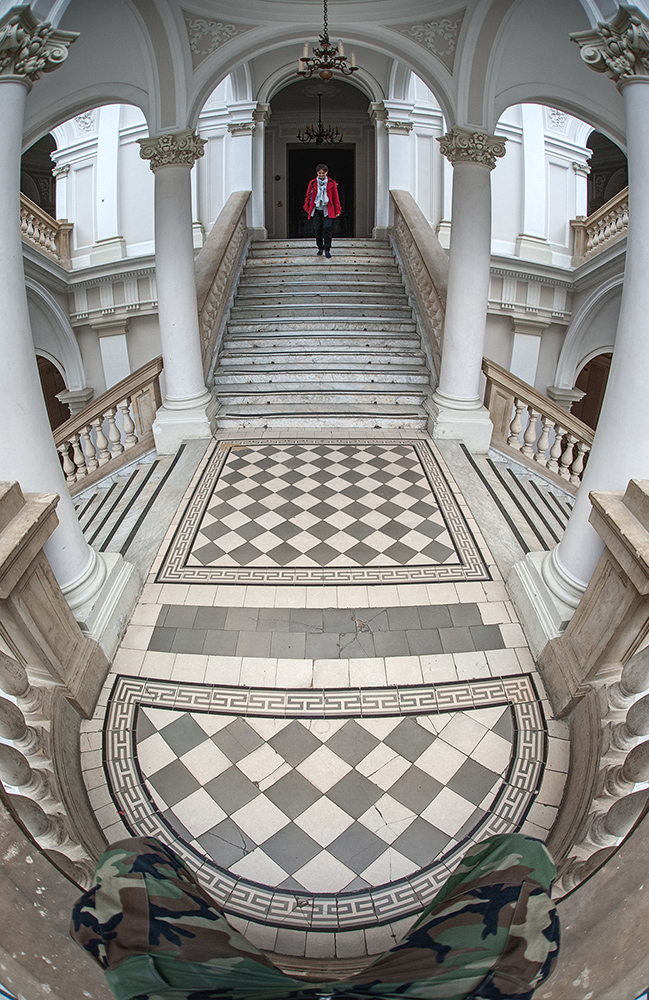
[457, 410]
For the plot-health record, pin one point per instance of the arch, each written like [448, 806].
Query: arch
[552, 96]
[286, 75]
[399, 85]
[578, 347]
[83, 100]
[55, 340]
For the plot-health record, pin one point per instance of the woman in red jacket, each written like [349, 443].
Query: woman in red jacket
[322, 204]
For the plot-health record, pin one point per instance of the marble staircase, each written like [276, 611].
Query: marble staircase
[318, 342]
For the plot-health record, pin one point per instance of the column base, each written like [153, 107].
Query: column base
[534, 248]
[258, 232]
[380, 233]
[542, 614]
[472, 426]
[173, 426]
[104, 251]
[104, 600]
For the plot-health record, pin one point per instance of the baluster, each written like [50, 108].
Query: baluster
[624, 735]
[556, 449]
[15, 682]
[567, 456]
[516, 425]
[607, 828]
[620, 779]
[23, 224]
[30, 227]
[116, 447]
[49, 829]
[35, 784]
[30, 741]
[89, 449]
[544, 440]
[78, 457]
[577, 467]
[577, 870]
[127, 424]
[101, 439]
[529, 437]
[69, 467]
[633, 681]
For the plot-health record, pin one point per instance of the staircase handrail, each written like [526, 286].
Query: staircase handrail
[218, 267]
[534, 429]
[426, 263]
[91, 438]
[595, 232]
[40, 230]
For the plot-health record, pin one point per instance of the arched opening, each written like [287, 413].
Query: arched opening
[37, 180]
[609, 172]
[592, 381]
[51, 384]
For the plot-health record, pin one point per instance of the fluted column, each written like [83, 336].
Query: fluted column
[621, 447]
[457, 410]
[182, 414]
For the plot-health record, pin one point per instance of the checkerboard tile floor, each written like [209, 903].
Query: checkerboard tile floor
[323, 805]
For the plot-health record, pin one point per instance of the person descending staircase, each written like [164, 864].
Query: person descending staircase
[317, 342]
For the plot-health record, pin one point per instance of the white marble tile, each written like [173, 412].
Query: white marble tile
[331, 673]
[205, 761]
[403, 670]
[129, 661]
[503, 661]
[173, 593]
[262, 763]
[552, 788]
[441, 761]
[436, 668]
[258, 671]
[189, 667]
[513, 635]
[198, 812]
[413, 594]
[367, 671]
[448, 811]
[352, 597]
[324, 821]
[387, 818]
[388, 867]
[470, 593]
[294, 673]
[227, 596]
[201, 594]
[154, 753]
[323, 768]
[223, 670]
[260, 818]
[442, 593]
[493, 752]
[267, 728]
[495, 591]
[260, 597]
[471, 665]
[259, 867]
[322, 597]
[211, 724]
[383, 597]
[463, 732]
[494, 613]
[324, 873]
[383, 766]
[320, 945]
[350, 944]
[145, 614]
[290, 597]
[379, 727]
[137, 637]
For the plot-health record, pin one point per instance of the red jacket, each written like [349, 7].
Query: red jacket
[333, 208]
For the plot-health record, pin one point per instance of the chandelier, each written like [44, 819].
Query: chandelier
[321, 134]
[327, 58]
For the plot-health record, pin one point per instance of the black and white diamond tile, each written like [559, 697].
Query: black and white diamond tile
[317, 793]
[336, 512]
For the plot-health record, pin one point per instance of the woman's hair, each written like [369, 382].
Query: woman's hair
[322, 166]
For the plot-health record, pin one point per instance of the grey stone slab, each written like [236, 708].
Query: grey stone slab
[177, 827]
[476, 817]
[180, 616]
[473, 781]
[286, 530]
[174, 782]
[294, 743]
[219, 643]
[354, 794]
[274, 620]
[242, 619]
[456, 640]
[143, 727]
[237, 740]
[357, 847]
[403, 619]
[425, 641]
[226, 844]
[356, 883]
[435, 616]
[361, 644]
[421, 842]
[391, 644]
[338, 620]
[210, 618]
[487, 637]
[415, 789]
[352, 743]
[291, 848]
[465, 614]
[253, 644]
[189, 640]
[505, 725]
[289, 644]
[284, 554]
[293, 794]
[324, 646]
[375, 618]
[231, 790]
[183, 734]
[402, 554]
[409, 739]
[162, 639]
[306, 620]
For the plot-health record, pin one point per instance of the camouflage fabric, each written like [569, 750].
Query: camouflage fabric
[491, 933]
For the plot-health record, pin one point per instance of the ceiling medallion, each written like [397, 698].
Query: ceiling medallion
[326, 59]
[320, 134]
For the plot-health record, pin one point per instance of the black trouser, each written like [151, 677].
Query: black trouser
[322, 229]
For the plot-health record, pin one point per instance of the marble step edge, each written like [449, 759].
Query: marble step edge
[314, 377]
[364, 343]
[407, 421]
[298, 395]
[332, 311]
[308, 356]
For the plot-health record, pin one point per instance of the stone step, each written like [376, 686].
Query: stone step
[315, 297]
[347, 242]
[302, 248]
[304, 393]
[257, 268]
[303, 285]
[310, 259]
[395, 418]
[308, 355]
[318, 326]
[304, 373]
[347, 310]
[280, 342]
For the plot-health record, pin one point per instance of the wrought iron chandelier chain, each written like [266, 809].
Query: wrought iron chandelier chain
[321, 134]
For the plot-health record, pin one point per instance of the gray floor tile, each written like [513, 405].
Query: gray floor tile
[294, 743]
[415, 789]
[456, 640]
[487, 637]
[403, 618]
[162, 639]
[354, 794]
[391, 644]
[189, 640]
[357, 847]
[253, 644]
[272, 620]
[306, 620]
[338, 620]
[472, 781]
[183, 734]
[289, 644]
[226, 843]
[220, 643]
[143, 727]
[211, 618]
[425, 641]
[231, 790]
[323, 646]
[376, 619]
[177, 827]
[473, 820]
[356, 883]
[465, 614]
[180, 616]
[237, 740]
[409, 739]
[353, 743]
[505, 725]
[361, 644]
[436, 616]
[421, 842]
[174, 782]
[292, 794]
[242, 619]
[291, 848]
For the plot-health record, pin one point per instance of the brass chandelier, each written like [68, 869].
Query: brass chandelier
[326, 59]
[320, 134]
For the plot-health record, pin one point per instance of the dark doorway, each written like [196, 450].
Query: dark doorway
[592, 380]
[608, 171]
[51, 383]
[301, 169]
[36, 179]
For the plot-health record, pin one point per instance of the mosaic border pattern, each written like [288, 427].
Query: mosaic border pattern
[472, 566]
[384, 904]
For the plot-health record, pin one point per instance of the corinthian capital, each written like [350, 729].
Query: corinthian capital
[29, 47]
[461, 145]
[178, 147]
[619, 48]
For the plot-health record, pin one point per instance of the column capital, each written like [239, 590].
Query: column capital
[172, 149]
[261, 113]
[378, 111]
[29, 47]
[462, 145]
[619, 47]
[241, 128]
[398, 128]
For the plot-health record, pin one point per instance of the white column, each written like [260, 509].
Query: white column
[110, 245]
[28, 452]
[457, 410]
[241, 155]
[444, 227]
[257, 208]
[555, 583]
[182, 414]
[378, 114]
[532, 243]
[61, 175]
[400, 156]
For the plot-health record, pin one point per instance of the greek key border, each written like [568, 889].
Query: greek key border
[321, 911]
[472, 566]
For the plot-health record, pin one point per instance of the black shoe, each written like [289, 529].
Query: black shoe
[327, 253]
[319, 253]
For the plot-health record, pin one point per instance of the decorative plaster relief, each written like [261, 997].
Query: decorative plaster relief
[178, 147]
[439, 37]
[29, 47]
[85, 122]
[461, 145]
[556, 119]
[241, 128]
[399, 128]
[206, 36]
[619, 48]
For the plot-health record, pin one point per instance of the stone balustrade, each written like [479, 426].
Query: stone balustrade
[48, 235]
[533, 429]
[424, 265]
[600, 230]
[115, 428]
[218, 268]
